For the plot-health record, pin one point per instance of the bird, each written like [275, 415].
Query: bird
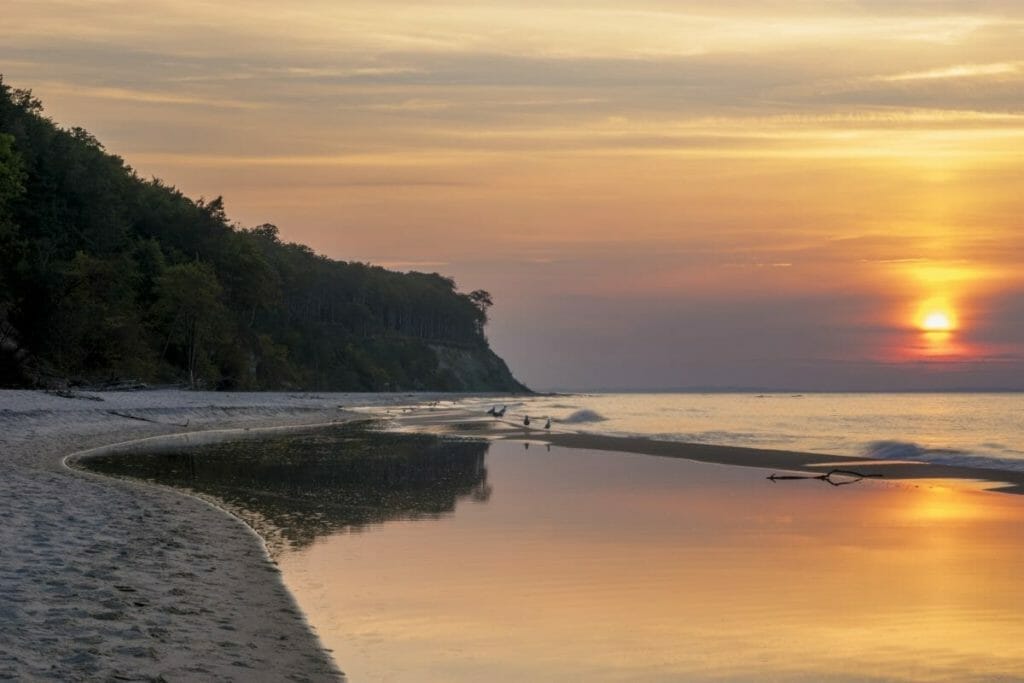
[501, 413]
[526, 421]
[493, 411]
[547, 425]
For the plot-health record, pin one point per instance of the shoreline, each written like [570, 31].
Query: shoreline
[119, 579]
[259, 532]
[265, 532]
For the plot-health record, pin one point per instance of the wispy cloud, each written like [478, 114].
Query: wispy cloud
[958, 71]
[130, 95]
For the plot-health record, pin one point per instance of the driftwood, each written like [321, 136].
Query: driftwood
[146, 419]
[854, 477]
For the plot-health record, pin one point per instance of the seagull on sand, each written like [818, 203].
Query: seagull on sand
[526, 421]
[547, 425]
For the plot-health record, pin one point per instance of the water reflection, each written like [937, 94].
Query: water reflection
[318, 483]
[591, 566]
[596, 566]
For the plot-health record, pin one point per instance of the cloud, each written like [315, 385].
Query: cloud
[135, 95]
[959, 71]
[671, 191]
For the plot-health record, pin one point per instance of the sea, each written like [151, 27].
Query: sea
[970, 429]
[422, 559]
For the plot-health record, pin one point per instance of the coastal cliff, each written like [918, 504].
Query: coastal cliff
[107, 277]
[478, 369]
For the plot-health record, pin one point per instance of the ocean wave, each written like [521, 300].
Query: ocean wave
[908, 450]
[582, 416]
[896, 450]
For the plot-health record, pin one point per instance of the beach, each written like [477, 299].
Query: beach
[103, 578]
[106, 578]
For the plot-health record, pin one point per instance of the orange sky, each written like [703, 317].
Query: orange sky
[662, 194]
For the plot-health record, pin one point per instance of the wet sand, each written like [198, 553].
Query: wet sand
[465, 424]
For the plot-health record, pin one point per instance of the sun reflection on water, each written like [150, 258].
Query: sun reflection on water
[596, 566]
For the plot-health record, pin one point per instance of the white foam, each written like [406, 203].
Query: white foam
[582, 416]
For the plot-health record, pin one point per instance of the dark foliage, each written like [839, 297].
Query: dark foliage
[107, 276]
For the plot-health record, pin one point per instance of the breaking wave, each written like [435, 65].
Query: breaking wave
[908, 450]
[895, 450]
[583, 416]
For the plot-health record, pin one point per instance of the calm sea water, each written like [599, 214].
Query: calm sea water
[969, 429]
[423, 559]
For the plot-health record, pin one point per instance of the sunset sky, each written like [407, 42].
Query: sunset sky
[789, 194]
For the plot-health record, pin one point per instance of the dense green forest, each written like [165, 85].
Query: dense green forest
[107, 277]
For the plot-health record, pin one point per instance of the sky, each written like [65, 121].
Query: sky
[813, 195]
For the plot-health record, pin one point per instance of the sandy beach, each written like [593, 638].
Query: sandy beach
[109, 579]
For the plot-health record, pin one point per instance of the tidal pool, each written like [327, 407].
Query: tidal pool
[424, 559]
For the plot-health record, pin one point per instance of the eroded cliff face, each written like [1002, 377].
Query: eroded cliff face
[475, 369]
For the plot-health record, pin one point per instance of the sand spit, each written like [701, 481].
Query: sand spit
[104, 579]
[463, 423]
[1005, 481]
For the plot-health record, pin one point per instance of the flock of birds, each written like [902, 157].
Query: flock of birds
[500, 412]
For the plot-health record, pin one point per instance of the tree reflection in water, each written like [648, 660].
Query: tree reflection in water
[321, 482]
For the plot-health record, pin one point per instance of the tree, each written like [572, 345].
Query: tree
[98, 330]
[11, 188]
[482, 300]
[190, 312]
[11, 175]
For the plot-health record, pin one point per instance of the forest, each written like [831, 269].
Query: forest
[108, 278]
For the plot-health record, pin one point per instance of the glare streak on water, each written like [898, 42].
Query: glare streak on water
[985, 430]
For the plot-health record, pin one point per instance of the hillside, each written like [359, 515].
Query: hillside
[107, 277]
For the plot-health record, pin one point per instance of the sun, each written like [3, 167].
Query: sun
[937, 321]
[936, 325]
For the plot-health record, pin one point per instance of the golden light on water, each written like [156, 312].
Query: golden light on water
[551, 590]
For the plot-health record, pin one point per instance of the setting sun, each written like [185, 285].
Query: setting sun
[937, 321]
